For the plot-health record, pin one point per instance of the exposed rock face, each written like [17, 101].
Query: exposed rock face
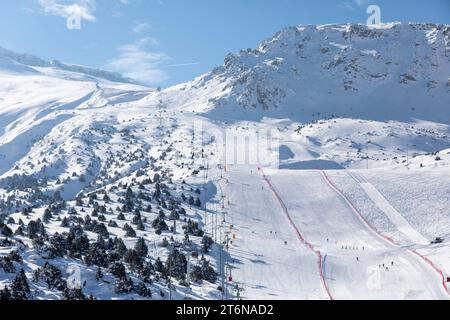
[299, 67]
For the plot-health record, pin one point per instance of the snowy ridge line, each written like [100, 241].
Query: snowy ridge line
[390, 240]
[309, 245]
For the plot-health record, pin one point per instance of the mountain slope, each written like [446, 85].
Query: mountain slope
[388, 72]
[84, 155]
[30, 61]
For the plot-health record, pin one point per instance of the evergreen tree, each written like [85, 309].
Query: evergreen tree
[160, 224]
[5, 230]
[159, 266]
[15, 256]
[101, 229]
[141, 247]
[51, 275]
[120, 247]
[79, 202]
[78, 243]
[96, 256]
[5, 294]
[47, 215]
[207, 242]
[176, 265]
[20, 290]
[124, 286]
[143, 291]
[129, 231]
[7, 265]
[58, 245]
[146, 272]
[140, 226]
[65, 223]
[204, 271]
[193, 228]
[174, 215]
[113, 224]
[74, 294]
[133, 259]
[117, 269]
[19, 231]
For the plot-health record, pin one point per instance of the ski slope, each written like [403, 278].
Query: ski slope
[267, 268]
[396, 218]
[353, 253]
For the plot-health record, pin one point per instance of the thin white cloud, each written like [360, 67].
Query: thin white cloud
[346, 5]
[354, 4]
[138, 61]
[188, 64]
[85, 9]
[64, 8]
[141, 27]
[361, 3]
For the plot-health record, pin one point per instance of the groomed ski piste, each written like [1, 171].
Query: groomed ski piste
[322, 234]
[299, 237]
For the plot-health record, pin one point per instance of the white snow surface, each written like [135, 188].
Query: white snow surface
[348, 99]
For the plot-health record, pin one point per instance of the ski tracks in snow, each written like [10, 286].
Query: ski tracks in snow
[381, 235]
[393, 215]
[320, 257]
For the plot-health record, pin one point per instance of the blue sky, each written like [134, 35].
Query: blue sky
[164, 42]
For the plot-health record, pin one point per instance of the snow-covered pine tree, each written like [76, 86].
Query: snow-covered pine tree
[20, 290]
[141, 247]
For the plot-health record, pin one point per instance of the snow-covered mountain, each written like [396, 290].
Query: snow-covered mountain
[15, 62]
[386, 72]
[109, 176]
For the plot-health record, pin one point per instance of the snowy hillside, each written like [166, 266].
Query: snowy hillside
[113, 180]
[20, 62]
[389, 72]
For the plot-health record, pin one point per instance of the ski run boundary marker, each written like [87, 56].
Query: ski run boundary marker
[299, 234]
[390, 240]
